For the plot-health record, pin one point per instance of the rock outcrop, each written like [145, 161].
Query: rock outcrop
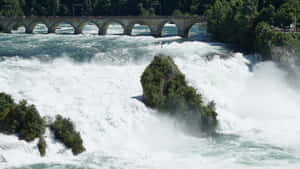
[166, 89]
[42, 146]
[284, 55]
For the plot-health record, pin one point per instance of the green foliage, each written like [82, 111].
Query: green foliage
[64, 131]
[177, 12]
[267, 15]
[233, 22]
[281, 38]
[153, 80]
[42, 146]
[25, 121]
[165, 88]
[264, 35]
[101, 7]
[32, 124]
[297, 35]
[7, 105]
[21, 119]
[11, 7]
[287, 11]
[246, 23]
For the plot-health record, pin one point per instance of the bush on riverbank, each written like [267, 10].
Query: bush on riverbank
[266, 38]
[166, 89]
[21, 119]
[64, 131]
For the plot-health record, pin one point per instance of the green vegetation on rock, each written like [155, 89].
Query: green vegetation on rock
[166, 89]
[21, 119]
[64, 131]
[25, 121]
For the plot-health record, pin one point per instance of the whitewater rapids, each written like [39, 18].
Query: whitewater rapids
[95, 81]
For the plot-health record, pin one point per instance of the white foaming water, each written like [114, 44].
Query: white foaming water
[258, 111]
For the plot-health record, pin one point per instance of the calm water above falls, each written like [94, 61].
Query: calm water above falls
[94, 80]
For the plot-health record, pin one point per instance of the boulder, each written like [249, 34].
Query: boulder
[166, 89]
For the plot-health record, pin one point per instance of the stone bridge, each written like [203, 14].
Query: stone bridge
[155, 23]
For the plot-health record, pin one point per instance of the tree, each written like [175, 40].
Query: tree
[264, 35]
[286, 13]
[11, 7]
[267, 14]
[102, 7]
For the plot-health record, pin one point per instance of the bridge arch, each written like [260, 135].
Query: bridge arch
[132, 26]
[82, 26]
[16, 25]
[34, 25]
[106, 25]
[168, 31]
[53, 28]
[194, 30]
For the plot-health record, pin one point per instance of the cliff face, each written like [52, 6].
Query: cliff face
[284, 55]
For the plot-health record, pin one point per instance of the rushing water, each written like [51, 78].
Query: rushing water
[95, 81]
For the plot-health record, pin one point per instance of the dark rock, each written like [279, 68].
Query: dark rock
[42, 146]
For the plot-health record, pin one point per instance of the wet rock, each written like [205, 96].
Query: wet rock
[42, 146]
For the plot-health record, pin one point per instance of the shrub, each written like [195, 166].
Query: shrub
[281, 38]
[7, 105]
[264, 35]
[21, 119]
[64, 131]
[165, 88]
[32, 125]
[25, 121]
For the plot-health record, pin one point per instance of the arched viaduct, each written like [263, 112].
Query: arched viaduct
[155, 23]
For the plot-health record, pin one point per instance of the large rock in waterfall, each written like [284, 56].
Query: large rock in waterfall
[166, 89]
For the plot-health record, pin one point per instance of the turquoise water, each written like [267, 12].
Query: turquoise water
[95, 80]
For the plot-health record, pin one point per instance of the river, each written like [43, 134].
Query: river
[95, 81]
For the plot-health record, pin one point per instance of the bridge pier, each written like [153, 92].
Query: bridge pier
[155, 31]
[183, 33]
[6, 29]
[102, 31]
[156, 34]
[28, 30]
[77, 31]
[51, 29]
[127, 31]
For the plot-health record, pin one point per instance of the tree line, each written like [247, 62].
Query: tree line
[103, 7]
[249, 24]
